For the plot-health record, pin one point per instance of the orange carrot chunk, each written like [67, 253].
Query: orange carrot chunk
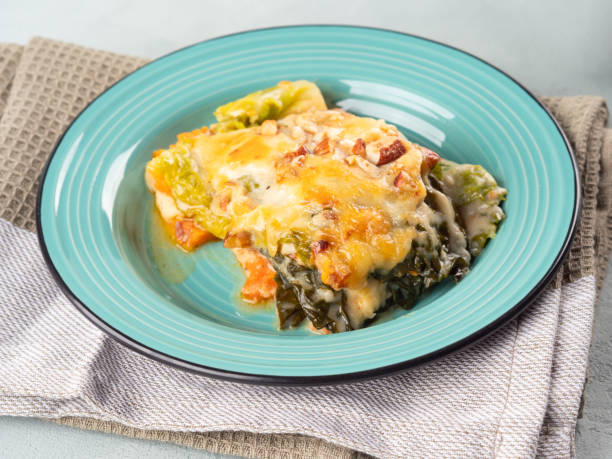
[189, 235]
[260, 284]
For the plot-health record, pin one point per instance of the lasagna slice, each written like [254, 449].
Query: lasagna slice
[333, 216]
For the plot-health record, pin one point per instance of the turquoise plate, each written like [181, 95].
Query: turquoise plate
[99, 236]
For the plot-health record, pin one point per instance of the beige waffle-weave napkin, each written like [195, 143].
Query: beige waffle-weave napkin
[514, 394]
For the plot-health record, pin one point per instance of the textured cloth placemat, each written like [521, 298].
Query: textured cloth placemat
[515, 394]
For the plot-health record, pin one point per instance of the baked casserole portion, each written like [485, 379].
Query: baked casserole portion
[333, 216]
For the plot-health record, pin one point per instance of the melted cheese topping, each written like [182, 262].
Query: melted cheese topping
[344, 190]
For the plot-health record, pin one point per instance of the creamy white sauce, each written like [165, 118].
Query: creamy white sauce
[166, 205]
[362, 303]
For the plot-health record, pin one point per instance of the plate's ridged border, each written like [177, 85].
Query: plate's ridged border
[326, 379]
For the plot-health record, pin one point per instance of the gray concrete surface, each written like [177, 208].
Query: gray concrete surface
[553, 47]
[594, 430]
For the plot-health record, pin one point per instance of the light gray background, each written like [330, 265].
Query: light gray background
[553, 47]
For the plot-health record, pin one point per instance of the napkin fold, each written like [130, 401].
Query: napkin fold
[514, 394]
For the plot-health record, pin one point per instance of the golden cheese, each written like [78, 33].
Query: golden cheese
[330, 189]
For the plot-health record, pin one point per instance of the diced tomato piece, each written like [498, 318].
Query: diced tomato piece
[359, 148]
[391, 152]
[430, 159]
